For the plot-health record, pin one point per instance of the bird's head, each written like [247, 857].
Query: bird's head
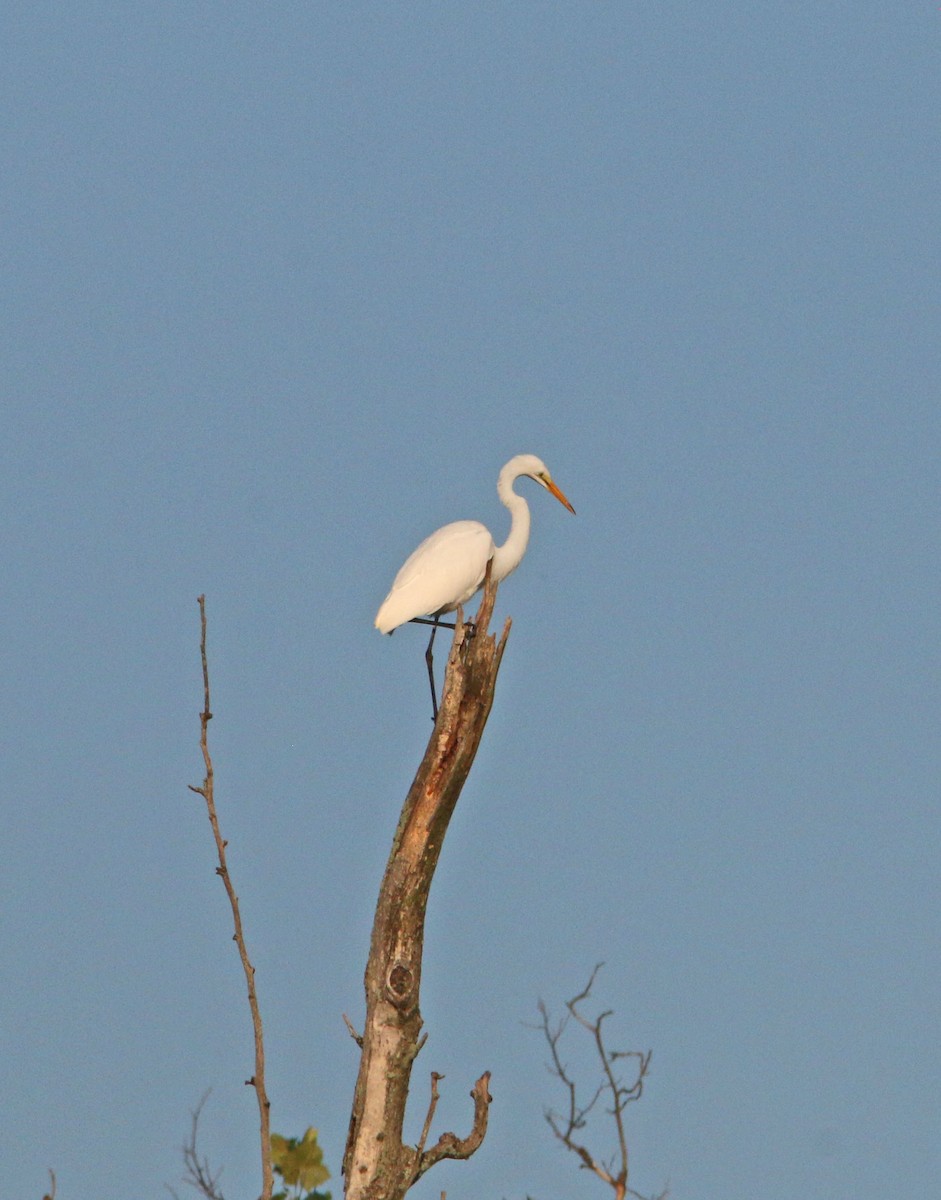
[535, 468]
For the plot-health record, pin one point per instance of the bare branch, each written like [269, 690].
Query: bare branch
[198, 1172]
[586, 992]
[614, 1170]
[51, 1194]
[257, 1081]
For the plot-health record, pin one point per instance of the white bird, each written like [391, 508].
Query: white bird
[450, 565]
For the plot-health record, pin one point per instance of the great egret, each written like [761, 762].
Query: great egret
[450, 565]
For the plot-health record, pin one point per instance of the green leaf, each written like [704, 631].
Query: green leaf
[279, 1147]
[299, 1162]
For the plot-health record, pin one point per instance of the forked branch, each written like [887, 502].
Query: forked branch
[199, 1175]
[569, 1126]
[449, 1145]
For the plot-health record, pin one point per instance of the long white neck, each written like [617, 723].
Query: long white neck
[507, 557]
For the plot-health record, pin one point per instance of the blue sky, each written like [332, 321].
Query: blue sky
[285, 287]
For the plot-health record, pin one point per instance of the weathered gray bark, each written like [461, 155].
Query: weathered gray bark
[377, 1165]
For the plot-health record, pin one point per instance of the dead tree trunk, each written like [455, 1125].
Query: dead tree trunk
[377, 1164]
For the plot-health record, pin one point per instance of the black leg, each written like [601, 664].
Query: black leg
[470, 626]
[429, 661]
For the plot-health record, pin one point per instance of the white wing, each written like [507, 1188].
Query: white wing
[445, 570]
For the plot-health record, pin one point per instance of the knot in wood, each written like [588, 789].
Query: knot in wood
[400, 982]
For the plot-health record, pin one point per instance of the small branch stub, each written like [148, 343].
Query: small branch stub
[353, 1034]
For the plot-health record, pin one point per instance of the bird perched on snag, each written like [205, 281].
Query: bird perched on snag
[450, 565]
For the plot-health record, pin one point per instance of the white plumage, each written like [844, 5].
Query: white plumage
[449, 566]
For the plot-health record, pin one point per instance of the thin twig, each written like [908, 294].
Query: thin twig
[433, 1104]
[206, 791]
[51, 1194]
